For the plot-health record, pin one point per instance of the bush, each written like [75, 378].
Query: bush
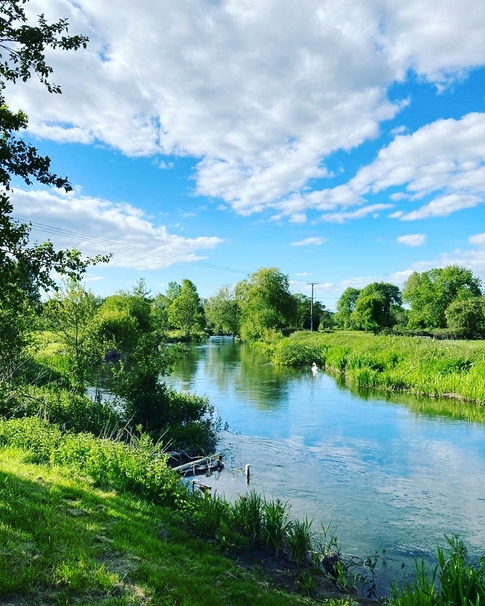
[71, 411]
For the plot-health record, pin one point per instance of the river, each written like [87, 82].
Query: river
[390, 480]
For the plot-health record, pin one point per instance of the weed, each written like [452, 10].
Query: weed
[299, 539]
[275, 524]
[248, 516]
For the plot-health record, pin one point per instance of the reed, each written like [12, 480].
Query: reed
[276, 524]
[300, 540]
[449, 369]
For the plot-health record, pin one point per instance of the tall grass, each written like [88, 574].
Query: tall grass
[454, 369]
[454, 582]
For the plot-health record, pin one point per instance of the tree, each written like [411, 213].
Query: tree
[305, 310]
[186, 311]
[265, 302]
[25, 270]
[345, 307]
[222, 312]
[71, 313]
[430, 293]
[376, 306]
[122, 319]
[467, 316]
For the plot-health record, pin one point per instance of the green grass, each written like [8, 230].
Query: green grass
[66, 541]
[452, 369]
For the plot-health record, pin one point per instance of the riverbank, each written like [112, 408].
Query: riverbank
[92, 521]
[444, 369]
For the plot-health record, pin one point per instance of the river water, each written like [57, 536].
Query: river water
[383, 474]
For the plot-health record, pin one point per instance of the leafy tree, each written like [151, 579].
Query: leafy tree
[71, 313]
[467, 316]
[376, 306]
[345, 307]
[305, 310]
[159, 313]
[265, 302]
[172, 292]
[25, 270]
[186, 311]
[122, 319]
[430, 293]
[222, 312]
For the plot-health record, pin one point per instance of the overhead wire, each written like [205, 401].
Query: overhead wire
[60, 231]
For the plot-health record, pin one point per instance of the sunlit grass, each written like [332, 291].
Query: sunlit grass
[65, 541]
[450, 369]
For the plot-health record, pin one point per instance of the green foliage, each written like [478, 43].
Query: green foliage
[454, 580]
[422, 366]
[467, 317]
[431, 292]
[345, 307]
[247, 517]
[25, 270]
[376, 306]
[65, 541]
[300, 540]
[186, 311]
[265, 302]
[291, 352]
[222, 312]
[71, 411]
[71, 313]
[276, 524]
[138, 465]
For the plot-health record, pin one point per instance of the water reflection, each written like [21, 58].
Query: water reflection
[390, 472]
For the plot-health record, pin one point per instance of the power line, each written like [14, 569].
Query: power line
[59, 231]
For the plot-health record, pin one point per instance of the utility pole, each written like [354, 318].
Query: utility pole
[311, 306]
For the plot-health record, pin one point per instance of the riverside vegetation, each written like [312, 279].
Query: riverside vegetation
[445, 369]
[93, 520]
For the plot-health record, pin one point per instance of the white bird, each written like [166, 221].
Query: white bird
[314, 368]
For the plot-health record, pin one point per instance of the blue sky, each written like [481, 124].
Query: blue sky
[342, 142]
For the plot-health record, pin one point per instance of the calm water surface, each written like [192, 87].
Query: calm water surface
[385, 475]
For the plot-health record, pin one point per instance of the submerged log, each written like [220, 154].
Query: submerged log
[201, 465]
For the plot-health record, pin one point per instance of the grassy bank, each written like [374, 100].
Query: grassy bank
[64, 541]
[95, 521]
[454, 369]
[90, 521]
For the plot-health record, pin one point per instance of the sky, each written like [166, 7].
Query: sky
[342, 142]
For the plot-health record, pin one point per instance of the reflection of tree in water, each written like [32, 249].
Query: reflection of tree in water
[449, 408]
[186, 367]
[266, 385]
[235, 367]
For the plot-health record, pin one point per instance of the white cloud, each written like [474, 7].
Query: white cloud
[342, 216]
[309, 241]
[443, 206]
[103, 227]
[412, 239]
[444, 161]
[261, 95]
[477, 239]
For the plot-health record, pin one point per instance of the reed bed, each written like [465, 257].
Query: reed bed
[447, 369]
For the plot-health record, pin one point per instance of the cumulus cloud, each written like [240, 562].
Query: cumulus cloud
[309, 241]
[442, 163]
[103, 227]
[259, 95]
[443, 206]
[477, 239]
[412, 239]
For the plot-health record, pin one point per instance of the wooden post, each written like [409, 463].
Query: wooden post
[247, 473]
